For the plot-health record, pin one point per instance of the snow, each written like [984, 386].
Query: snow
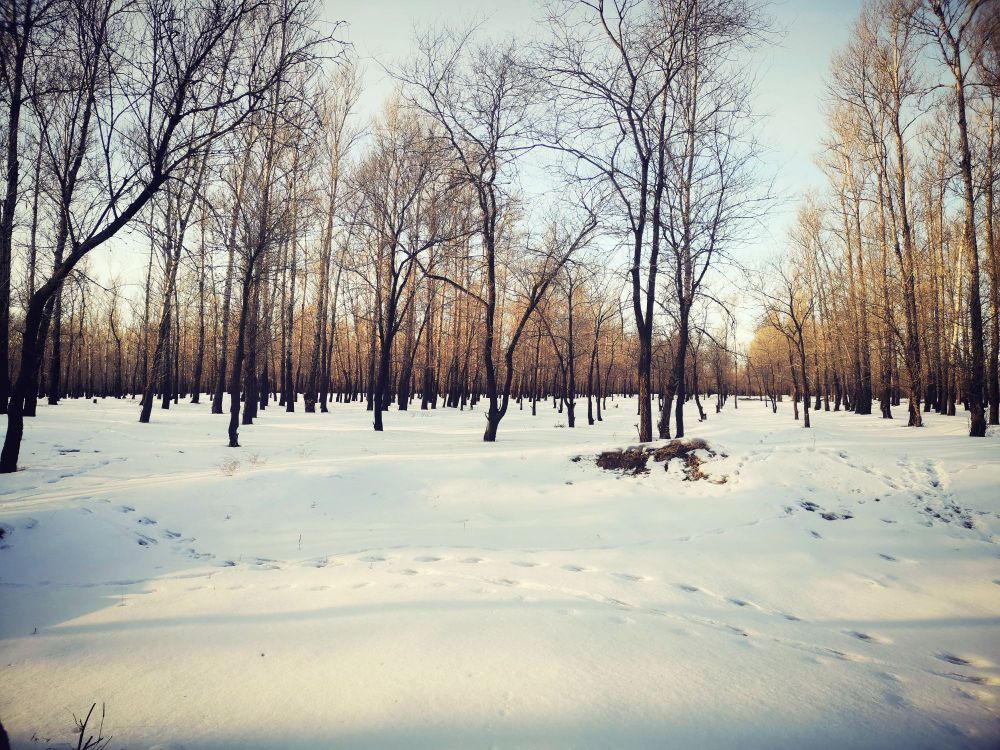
[329, 586]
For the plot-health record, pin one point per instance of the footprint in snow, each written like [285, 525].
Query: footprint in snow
[831, 516]
[145, 521]
[373, 559]
[688, 588]
[408, 572]
[868, 637]
[736, 629]
[427, 559]
[893, 698]
[974, 679]
[618, 603]
[963, 661]
[843, 655]
[884, 556]
[168, 534]
[953, 659]
[581, 569]
[524, 563]
[505, 581]
[739, 602]
[144, 541]
[630, 577]
[888, 678]
[126, 509]
[472, 560]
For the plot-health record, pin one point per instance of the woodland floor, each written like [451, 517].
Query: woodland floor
[326, 586]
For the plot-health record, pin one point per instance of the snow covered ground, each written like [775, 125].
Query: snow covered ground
[328, 586]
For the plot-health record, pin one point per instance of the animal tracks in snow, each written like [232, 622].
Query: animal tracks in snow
[868, 637]
[923, 485]
[588, 583]
[181, 544]
[579, 588]
[631, 577]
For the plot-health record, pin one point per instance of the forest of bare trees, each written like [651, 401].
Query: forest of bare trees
[881, 295]
[296, 254]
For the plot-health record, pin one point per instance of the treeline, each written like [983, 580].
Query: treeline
[292, 249]
[293, 252]
[890, 289]
[577, 347]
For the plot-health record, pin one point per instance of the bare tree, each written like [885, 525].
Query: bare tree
[712, 193]
[399, 188]
[951, 27]
[610, 67]
[788, 306]
[481, 97]
[26, 28]
[337, 102]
